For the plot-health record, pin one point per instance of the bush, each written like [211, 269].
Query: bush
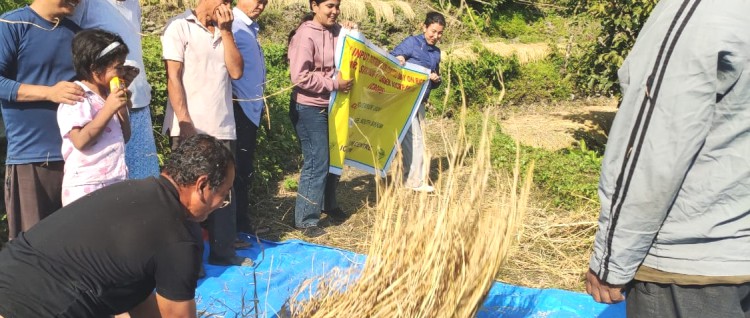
[157, 77]
[512, 26]
[480, 80]
[539, 81]
[7, 5]
[277, 149]
[621, 21]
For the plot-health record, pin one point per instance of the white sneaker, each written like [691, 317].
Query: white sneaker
[424, 188]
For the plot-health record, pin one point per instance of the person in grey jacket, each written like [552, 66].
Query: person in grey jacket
[674, 226]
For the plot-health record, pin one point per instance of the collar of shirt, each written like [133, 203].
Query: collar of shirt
[192, 18]
[238, 14]
[424, 43]
[86, 90]
[93, 98]
[243, 23]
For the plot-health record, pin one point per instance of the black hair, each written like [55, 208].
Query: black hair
[434, 17]
[88, 45]
[199, 155]
[307, 17]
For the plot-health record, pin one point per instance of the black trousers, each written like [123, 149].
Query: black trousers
[221, 224]
[247, 141]
[668, 300]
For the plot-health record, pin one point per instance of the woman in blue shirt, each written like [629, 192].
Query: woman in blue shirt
[421, 50]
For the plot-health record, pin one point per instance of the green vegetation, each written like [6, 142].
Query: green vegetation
[480, 80]
[535, 82]
[620, 23]
[568, 177]
[290, 184]
[157, 77]
[540, 81]
[7, 5]
[514, 25]
[587, 41]
[276, 136]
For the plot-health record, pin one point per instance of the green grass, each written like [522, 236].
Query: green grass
[568, 177]
[290, 184]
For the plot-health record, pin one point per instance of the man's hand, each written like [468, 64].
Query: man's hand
[65, 93]
[129, 73]
[603, 292]
[401, 60]
[434, 77]
[224, 17]
[187, 129]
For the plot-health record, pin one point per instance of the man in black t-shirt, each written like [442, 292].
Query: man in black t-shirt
[131, 247]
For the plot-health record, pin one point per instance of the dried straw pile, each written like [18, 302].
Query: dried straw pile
[430, 255]
[356, 10]
[526, 52]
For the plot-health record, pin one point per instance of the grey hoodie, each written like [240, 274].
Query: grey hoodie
[675, 180]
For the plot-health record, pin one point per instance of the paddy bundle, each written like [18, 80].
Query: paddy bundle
[430, 255]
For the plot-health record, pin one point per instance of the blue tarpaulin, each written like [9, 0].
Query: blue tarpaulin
[281, 267]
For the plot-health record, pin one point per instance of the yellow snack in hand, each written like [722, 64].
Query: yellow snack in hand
[114, 84]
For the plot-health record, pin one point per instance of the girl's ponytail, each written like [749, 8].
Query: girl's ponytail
[307, 17]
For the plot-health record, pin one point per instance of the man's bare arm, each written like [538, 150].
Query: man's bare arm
[60, 93]
[232, 56]
[157, 306]
[177, 97]
[176, 309]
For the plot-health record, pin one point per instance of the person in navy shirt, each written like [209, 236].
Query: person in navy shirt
[421, 50]
[36, 70]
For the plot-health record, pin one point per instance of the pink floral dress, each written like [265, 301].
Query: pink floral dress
[103, 162]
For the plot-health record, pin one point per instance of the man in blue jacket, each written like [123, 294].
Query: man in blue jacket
[674, 227]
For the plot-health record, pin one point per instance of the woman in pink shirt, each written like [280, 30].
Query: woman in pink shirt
[312, 69]
[95, 130]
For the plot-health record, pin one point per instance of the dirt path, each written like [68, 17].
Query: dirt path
[563, 126]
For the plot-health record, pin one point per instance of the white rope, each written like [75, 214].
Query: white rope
[57, 22]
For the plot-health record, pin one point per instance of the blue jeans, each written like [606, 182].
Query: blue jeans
[316, 188]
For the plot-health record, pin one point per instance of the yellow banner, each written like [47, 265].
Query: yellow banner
[366, 125]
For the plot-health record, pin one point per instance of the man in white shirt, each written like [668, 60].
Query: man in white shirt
[200, 57]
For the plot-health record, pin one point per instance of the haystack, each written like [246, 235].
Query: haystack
[356, 10]
[430, 255]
